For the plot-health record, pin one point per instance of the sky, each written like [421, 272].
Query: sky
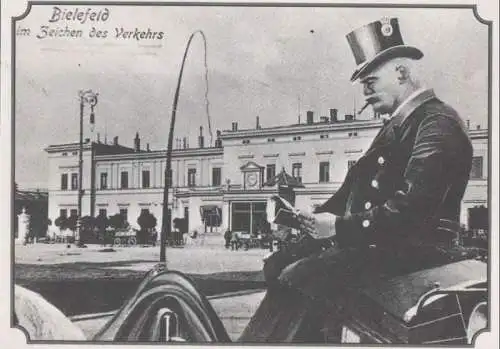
[275, 63]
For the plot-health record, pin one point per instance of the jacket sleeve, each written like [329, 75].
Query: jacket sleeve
[426, 177]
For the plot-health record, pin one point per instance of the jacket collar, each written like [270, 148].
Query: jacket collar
[392, 126]
[414, 101]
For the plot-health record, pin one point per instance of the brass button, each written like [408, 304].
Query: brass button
[366, 223]
[368, 205]
[375, 183]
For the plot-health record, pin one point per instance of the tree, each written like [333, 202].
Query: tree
[61, 222]
[117, 221]
[147, 222]
[87, 229]
[101, 223]
[71, 222]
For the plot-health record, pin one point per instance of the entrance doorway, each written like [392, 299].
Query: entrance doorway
[248, 216]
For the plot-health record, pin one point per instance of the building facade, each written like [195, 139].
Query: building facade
[226, 186]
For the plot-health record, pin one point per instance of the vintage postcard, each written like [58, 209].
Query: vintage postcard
[250, 173]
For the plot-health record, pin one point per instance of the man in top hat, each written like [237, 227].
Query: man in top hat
[398, 207]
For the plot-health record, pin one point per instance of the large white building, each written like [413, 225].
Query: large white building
[224, 186]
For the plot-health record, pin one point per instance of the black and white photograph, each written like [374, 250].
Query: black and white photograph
[260, 173]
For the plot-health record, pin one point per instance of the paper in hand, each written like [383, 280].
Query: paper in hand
[280, 211]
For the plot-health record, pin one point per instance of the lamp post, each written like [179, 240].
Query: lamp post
[86, 97]
[166, 225]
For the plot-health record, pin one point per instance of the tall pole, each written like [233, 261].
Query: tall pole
[90, 98]
[80, 171]
[166, 225]
[298, 108]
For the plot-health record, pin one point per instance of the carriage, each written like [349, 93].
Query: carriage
[441, 305]
[125, 238]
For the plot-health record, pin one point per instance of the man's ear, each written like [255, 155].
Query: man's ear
[403, 73]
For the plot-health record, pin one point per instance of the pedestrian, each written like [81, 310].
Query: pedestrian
[398, 207]
[227, 239]
[234, 241]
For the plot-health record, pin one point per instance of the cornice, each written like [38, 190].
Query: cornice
[162, 154]
[302, 129]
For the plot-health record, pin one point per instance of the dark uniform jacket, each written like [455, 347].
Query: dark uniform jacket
[398, 204]
[409, 184]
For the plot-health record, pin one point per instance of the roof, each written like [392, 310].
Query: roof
[110, 149]
[25, 195]
[100, 148]
[315, 127]
[283, 179]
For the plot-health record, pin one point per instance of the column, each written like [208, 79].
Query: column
[225, 215]
[23, 225]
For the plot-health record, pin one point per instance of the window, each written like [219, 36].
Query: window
[73, 212]
[64, 181]
[297, 171]
[216, 176]
[64, 154]
[323, 136]
[74, 181]
[63, 212]
[145, 179]
[103, 212]
[191, 177]
[246, 141]
[124, 180]
[324, 171]
[104, 180]
[297, 138]
[124, 214]
[270, 140]
[350, 163]
[477, 168]
[270, 171]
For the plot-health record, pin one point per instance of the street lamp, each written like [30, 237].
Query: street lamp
[167, 218]
[86, 97]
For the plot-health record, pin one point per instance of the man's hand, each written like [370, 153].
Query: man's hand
[307, 224]
[318, 226]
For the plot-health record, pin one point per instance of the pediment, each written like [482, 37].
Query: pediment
[250, 166]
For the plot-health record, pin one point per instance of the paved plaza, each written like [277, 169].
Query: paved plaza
[209, 257]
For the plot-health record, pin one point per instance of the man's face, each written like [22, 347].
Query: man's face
[381, 88]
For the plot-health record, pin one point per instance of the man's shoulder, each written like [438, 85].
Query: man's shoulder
[436, 106]
[436, 109]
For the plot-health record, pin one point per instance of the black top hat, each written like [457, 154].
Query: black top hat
[376, 43]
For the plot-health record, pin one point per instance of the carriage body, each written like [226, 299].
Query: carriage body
[438, 306]
[441, 305]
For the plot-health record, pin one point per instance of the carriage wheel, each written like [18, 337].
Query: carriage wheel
[132, 241]
[117, 241]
